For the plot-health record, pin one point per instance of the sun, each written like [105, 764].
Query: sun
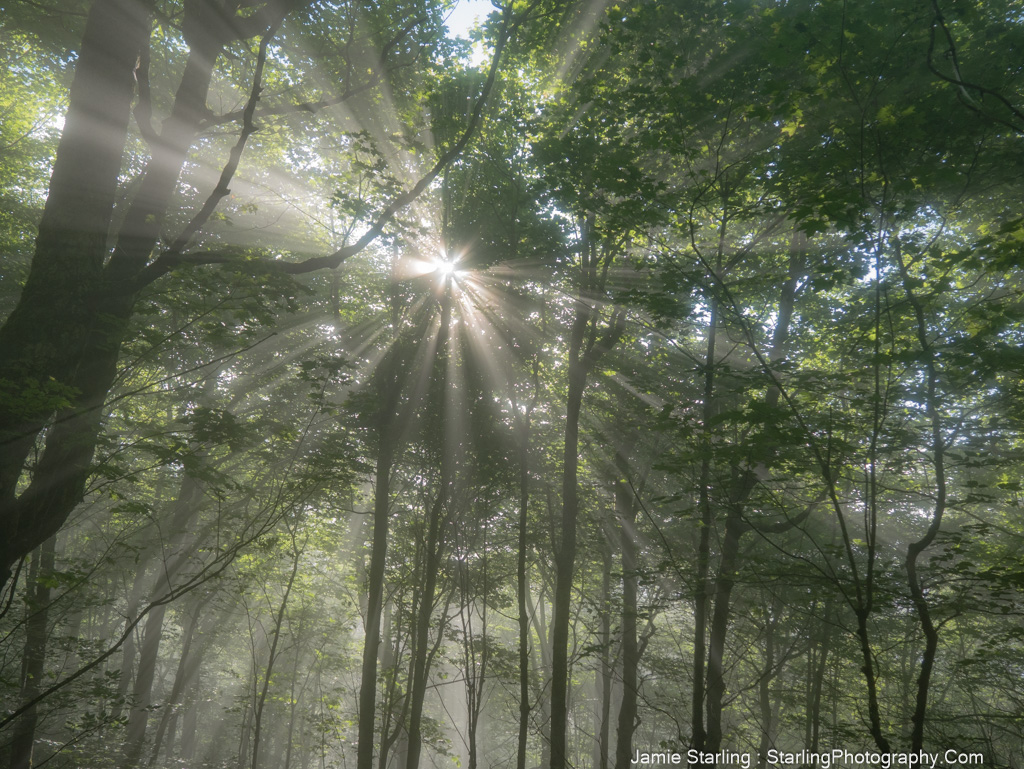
[448, 267]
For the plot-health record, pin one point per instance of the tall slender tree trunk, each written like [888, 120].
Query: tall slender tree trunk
[34, 659]
[126, 676]
[293, 702]
[916, 548]
[540, 659]
[476, 663]
[603, 674]
[625, 510]
[818, 665]
[734, 528]
[522, 590]
[565, 554]
[433, 546]
[188, 667]
[585, 350]
[184, 509]
[702, 583]
[261, 700]
[421, 642]
[375, 573]
[764, 687]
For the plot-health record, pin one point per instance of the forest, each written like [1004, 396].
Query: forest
[593, 385]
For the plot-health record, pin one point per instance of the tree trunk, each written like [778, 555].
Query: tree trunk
[34, 660]
[375, 573]
[818, 666]
[734, 529]
[702, 583]
[764, 687]
[522, 591]
[433, 545]
[421, 641]
[188, 667]
[78, 347]
[585, 350]
[42, 352]
[625, 509]
[915, 549]
[565, 554]
[126, 678]
[603, 675]
[261, 701]
[185, 508]
[742, 482]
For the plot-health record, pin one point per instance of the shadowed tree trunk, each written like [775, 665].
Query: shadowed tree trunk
[34, 660]
[375, 596]
[603, 674]
[769, 708]
[741, 483]
[268, 673]
[185, 508]
[625, 511]
[702, 584]
[585, 350]
[42, 365]
[433, 546]
[817, 662]
[523, 587]
[916, 548]
[185, 675]
[76, 349]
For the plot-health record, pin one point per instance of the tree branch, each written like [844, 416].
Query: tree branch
[248, 129]
[143, 111]
[171, 259]
[963, 85]
[313, 107]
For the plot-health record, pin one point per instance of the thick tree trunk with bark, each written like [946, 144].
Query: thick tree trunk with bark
[45, 361]
[72, 355]
[59, 348]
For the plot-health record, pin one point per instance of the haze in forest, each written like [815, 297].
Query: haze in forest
[528, 385]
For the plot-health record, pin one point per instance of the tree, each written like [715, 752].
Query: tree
[64, 369]
[681, 411]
